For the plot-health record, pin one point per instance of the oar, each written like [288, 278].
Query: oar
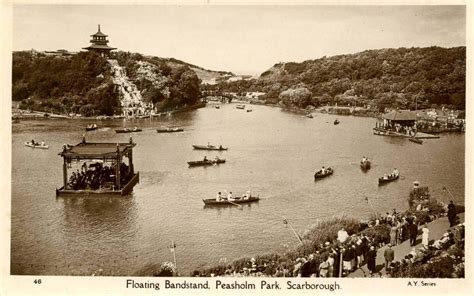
[234, 203]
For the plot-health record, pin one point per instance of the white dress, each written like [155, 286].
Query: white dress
[425, 236]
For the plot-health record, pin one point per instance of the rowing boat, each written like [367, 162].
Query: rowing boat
[127, 130]
[38, 146]
[390, 178]
[91, 127]
[240, 107]
[205, 162]
[365, 165]
[319, 174]
[225, 202]
[209, 147]
[336, 122]
[170, 130]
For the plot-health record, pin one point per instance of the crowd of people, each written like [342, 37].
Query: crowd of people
[96, 176]
[347, 253]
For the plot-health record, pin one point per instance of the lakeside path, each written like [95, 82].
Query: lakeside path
[437, 228]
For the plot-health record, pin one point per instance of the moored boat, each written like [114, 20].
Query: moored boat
[170, 130]
[319, 174]
[240, 106]
[91, 127]
[206, 162]
[209, 147]
[36, 145]
[309, 115]
[249, 110]
[217, 106]
[390, 178]
[415, 140]
[225, 202]
[128, 130]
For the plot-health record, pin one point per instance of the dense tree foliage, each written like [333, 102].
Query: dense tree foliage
[408, 78]
[80, 83]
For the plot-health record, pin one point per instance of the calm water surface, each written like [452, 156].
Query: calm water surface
[271, 152]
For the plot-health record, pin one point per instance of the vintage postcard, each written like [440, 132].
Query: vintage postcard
[236, 148]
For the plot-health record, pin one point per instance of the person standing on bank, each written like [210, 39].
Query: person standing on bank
[452, 214]
[371, 259]
[413, 231]
[425, 236]
[389, 255]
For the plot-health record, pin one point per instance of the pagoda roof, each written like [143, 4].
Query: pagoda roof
[96, 150]
[98, 46]
[400, 115]
[100, 34]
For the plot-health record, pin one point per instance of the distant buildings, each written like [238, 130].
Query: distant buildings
[99, 43]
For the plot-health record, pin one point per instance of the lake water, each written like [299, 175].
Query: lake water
[271, 152]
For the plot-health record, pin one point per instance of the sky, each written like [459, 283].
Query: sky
[241, 39]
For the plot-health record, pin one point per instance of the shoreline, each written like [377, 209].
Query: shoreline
[21, 114]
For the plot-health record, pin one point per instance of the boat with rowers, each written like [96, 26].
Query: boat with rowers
[37, 145]
[322, 173]
[389, 178]
[91, 127]
[206, 162]
[128, 130]
[209, 147]
[226, 202]
[365, 164]
[170, 130]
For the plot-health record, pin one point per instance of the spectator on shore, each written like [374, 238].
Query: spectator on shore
[371, 259]
[342, 235]
[452, 214]
[425, 236]
[330, 262]
[323, 269]
[389, 255]
[306, 268]
[393, 235]
[413, 231]
[346, 260]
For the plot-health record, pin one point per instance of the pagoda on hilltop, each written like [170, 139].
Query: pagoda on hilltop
[99, 43]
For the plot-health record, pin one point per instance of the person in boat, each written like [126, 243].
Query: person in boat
[135, 128]
[395, 172]
[33, 142]
[216, 159]
[219, 197]
[205, 158]
[246, 196]
[323, 170]
[230, 197]
[43, 143]
[220, 146]
[385, 177]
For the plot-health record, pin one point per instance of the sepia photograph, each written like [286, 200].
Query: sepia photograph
[237, 145]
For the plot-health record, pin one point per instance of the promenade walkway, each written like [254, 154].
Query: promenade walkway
[437, 228]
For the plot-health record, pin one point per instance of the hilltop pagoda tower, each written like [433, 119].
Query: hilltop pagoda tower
[99, 43]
